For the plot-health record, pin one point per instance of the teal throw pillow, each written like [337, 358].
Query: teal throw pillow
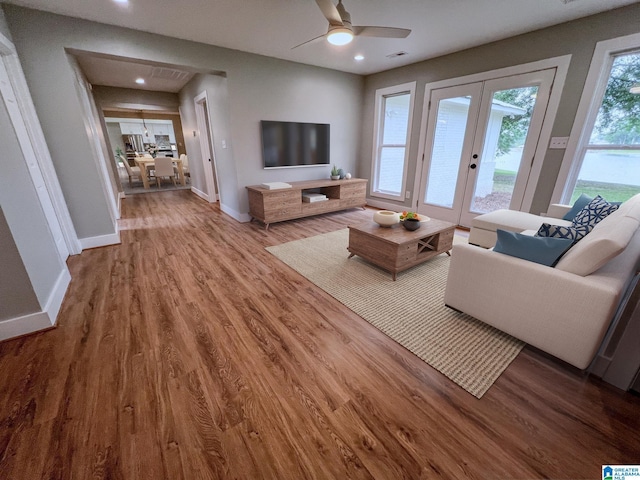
[544, 250]
[594, 212]
[582, 201]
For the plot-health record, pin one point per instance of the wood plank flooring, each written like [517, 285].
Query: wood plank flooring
[189, 352]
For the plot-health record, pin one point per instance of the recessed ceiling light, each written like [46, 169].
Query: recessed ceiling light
[122, 2]
[359, 57]
[140, 81]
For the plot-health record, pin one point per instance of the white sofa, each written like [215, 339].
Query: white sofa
[564, 311]
[483, 227]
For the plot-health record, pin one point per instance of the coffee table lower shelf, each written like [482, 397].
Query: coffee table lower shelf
[395, 249]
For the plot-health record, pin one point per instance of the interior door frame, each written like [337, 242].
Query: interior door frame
[561, 64]
[203, 119]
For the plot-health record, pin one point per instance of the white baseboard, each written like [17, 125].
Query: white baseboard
[394, 207]
[57, 295]
[241, 217]
[100, 241]
[200, 193]
[16, 327]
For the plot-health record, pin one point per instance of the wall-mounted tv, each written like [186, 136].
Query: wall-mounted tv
[293, 144]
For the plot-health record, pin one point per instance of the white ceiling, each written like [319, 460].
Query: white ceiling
[273, 27]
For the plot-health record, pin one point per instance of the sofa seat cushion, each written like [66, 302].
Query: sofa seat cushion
[607, 240]
[514, 221]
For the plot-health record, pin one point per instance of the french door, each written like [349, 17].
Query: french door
[480, 143]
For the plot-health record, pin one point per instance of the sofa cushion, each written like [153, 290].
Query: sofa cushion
[559, 231]
[593, 213]
[513, 221]
[582, 201]
[543, 250]
[607, 240]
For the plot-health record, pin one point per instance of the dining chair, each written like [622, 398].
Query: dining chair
[185, 165]
[131, 171]
[164, 168]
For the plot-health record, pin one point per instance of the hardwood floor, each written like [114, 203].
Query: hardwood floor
[189, 352]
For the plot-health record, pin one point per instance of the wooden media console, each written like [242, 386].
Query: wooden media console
[270, 206]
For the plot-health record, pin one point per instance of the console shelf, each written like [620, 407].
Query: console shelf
[270, 206]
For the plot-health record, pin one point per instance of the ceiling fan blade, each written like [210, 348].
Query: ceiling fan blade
[330, 11]
[309, 41]
[382, 32]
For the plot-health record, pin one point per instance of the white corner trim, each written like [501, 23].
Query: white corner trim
[36, 146]
[57, 295]
[34, 322]
[241, 217]
[200, 193]
[100, 241]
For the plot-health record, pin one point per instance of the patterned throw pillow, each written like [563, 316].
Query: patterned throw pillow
[557, 231]
[594, 212]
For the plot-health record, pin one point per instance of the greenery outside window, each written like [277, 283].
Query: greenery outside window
[393, 119]
[607, 160]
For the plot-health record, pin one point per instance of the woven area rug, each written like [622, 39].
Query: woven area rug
[410, 310]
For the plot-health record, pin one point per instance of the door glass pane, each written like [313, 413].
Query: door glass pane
[391, 169]
[507, 128]
[451, 122]
[396, 119]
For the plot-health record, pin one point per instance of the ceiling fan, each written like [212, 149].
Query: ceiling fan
[341, 31]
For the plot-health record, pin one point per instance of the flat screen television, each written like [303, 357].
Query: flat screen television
[293, 144]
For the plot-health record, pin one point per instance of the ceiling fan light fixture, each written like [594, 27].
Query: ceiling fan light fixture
[340, 36]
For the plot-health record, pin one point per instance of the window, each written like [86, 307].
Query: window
[606, 158]
[394, 108]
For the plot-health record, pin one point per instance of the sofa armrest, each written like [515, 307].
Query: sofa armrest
[561, 313]
[557, 210]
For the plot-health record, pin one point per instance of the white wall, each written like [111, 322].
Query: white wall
[258, 88]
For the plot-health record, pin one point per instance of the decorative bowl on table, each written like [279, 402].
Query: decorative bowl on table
[386, 218]
[411, 223]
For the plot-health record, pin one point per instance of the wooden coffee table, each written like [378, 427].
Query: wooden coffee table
[396, 249]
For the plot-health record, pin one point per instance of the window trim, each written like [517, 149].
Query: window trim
[590, 101]
[381, 95]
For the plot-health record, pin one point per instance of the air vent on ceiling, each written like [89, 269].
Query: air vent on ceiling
[169, 74]
[397, 54]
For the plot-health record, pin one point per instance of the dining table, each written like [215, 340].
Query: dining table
[149, 163]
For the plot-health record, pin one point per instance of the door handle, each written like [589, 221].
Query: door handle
[472, 166]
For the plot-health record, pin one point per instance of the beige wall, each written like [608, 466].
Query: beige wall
[17, 297]
[577, 38]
